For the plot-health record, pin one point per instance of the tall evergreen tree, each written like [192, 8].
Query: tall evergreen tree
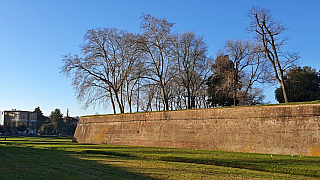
[302, 85]
[220, 82]
[40, 117]
[56, 117]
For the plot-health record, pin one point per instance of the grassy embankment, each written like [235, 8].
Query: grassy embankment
[279, 104]
[59, 158]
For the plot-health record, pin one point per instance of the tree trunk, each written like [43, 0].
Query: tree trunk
[189, 99]
[119, 103]
[284, 92]
[164, 98]
[112, 103]
[193, 102]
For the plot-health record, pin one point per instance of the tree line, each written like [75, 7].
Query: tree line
[55, 123]
[157, 69]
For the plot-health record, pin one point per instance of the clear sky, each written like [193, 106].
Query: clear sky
[34, 35]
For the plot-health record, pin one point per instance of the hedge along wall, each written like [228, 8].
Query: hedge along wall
[282, 129]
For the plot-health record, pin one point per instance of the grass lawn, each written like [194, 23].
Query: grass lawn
[60, 158]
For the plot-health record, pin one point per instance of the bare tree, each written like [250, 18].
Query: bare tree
[132, 85]
[157, 45]
[177, 97]
[253, 96]
[202, 97]
[267, 31]
[106, 63]
[192, 64]
[151, 97]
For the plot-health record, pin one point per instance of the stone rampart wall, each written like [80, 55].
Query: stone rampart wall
[282, 129]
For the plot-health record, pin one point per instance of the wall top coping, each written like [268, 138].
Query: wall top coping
[242, 112]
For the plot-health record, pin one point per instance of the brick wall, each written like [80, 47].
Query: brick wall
[282, 129]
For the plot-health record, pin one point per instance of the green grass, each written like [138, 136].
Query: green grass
[59, 158]
[294, 103]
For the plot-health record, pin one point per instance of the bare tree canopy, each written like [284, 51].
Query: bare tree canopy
[157, 44]
[162, 70]
[190, 52]
[116, 66]
[267, 32]
[107, 60]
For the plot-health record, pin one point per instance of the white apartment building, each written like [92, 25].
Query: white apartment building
[14, 118]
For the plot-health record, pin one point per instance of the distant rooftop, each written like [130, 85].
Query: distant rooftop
[15, 110]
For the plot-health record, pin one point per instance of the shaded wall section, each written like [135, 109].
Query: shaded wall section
[281, 129]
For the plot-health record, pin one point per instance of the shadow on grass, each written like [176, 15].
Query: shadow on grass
[67, 160]
[32, 163]
[284, 165]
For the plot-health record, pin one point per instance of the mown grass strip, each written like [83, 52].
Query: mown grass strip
[306, 166]
[37, 157]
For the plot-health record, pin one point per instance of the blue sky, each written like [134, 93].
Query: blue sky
[34, 35]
